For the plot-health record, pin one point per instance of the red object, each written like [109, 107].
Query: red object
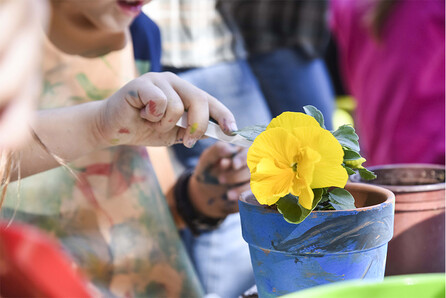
[33, 265]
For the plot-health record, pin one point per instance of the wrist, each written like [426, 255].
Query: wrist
[197, 195]
[100, 138]
[196, 221]
[69, 132]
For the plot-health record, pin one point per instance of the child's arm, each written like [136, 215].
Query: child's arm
[143, 112]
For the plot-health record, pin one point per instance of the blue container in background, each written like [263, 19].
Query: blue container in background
[328, 246]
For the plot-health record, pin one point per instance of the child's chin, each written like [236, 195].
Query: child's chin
[118, 24]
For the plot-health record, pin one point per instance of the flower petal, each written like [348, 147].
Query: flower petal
[275, 144]
[329, 176]
[307, 160]
[269, 159]
[306, 197]
[292, 120]
[328, 171]
[269, 183]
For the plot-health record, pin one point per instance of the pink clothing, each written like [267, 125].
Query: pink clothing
[399, 82]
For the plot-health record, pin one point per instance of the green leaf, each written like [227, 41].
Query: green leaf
[324, 203]
[251, 132]
[366, 174]
[324, 197]
[292, 211]
[347, 137]
[315, 113]
[350, 171]
[350, 154]
[341, 199]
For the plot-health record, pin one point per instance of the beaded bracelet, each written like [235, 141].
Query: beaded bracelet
[195, 220]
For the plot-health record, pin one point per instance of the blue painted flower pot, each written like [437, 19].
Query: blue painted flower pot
[328, 246]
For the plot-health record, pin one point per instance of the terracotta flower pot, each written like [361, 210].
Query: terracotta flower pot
[328, 246]
[418, 244]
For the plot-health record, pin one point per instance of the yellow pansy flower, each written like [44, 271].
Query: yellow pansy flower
[294, 155]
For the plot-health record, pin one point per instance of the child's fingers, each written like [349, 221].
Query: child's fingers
[180, 135]
[224, 164]
[197, 120]
[164, 97]
[239, 159]
[234, 193]
[196, 103]
[235, 177]
[214, 154]
[174, 109]
[150, 99]
[222, 115]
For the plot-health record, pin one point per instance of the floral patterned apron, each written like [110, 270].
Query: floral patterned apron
[113, 220]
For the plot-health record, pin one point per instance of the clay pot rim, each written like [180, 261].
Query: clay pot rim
[410, 188]
[367, 187]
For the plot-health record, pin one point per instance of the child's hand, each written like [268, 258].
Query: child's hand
[145, 111]
[218, 180]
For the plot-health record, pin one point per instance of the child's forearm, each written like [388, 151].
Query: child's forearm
[66, 132]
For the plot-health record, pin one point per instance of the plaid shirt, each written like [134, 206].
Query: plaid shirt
[269, 24]
[193, 33]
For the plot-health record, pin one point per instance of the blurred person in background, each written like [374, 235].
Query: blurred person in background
[286, 41]
[392, 57]
[201, 47]
[204, 42]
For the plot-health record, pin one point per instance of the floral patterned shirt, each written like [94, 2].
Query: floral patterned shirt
[113, 218]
